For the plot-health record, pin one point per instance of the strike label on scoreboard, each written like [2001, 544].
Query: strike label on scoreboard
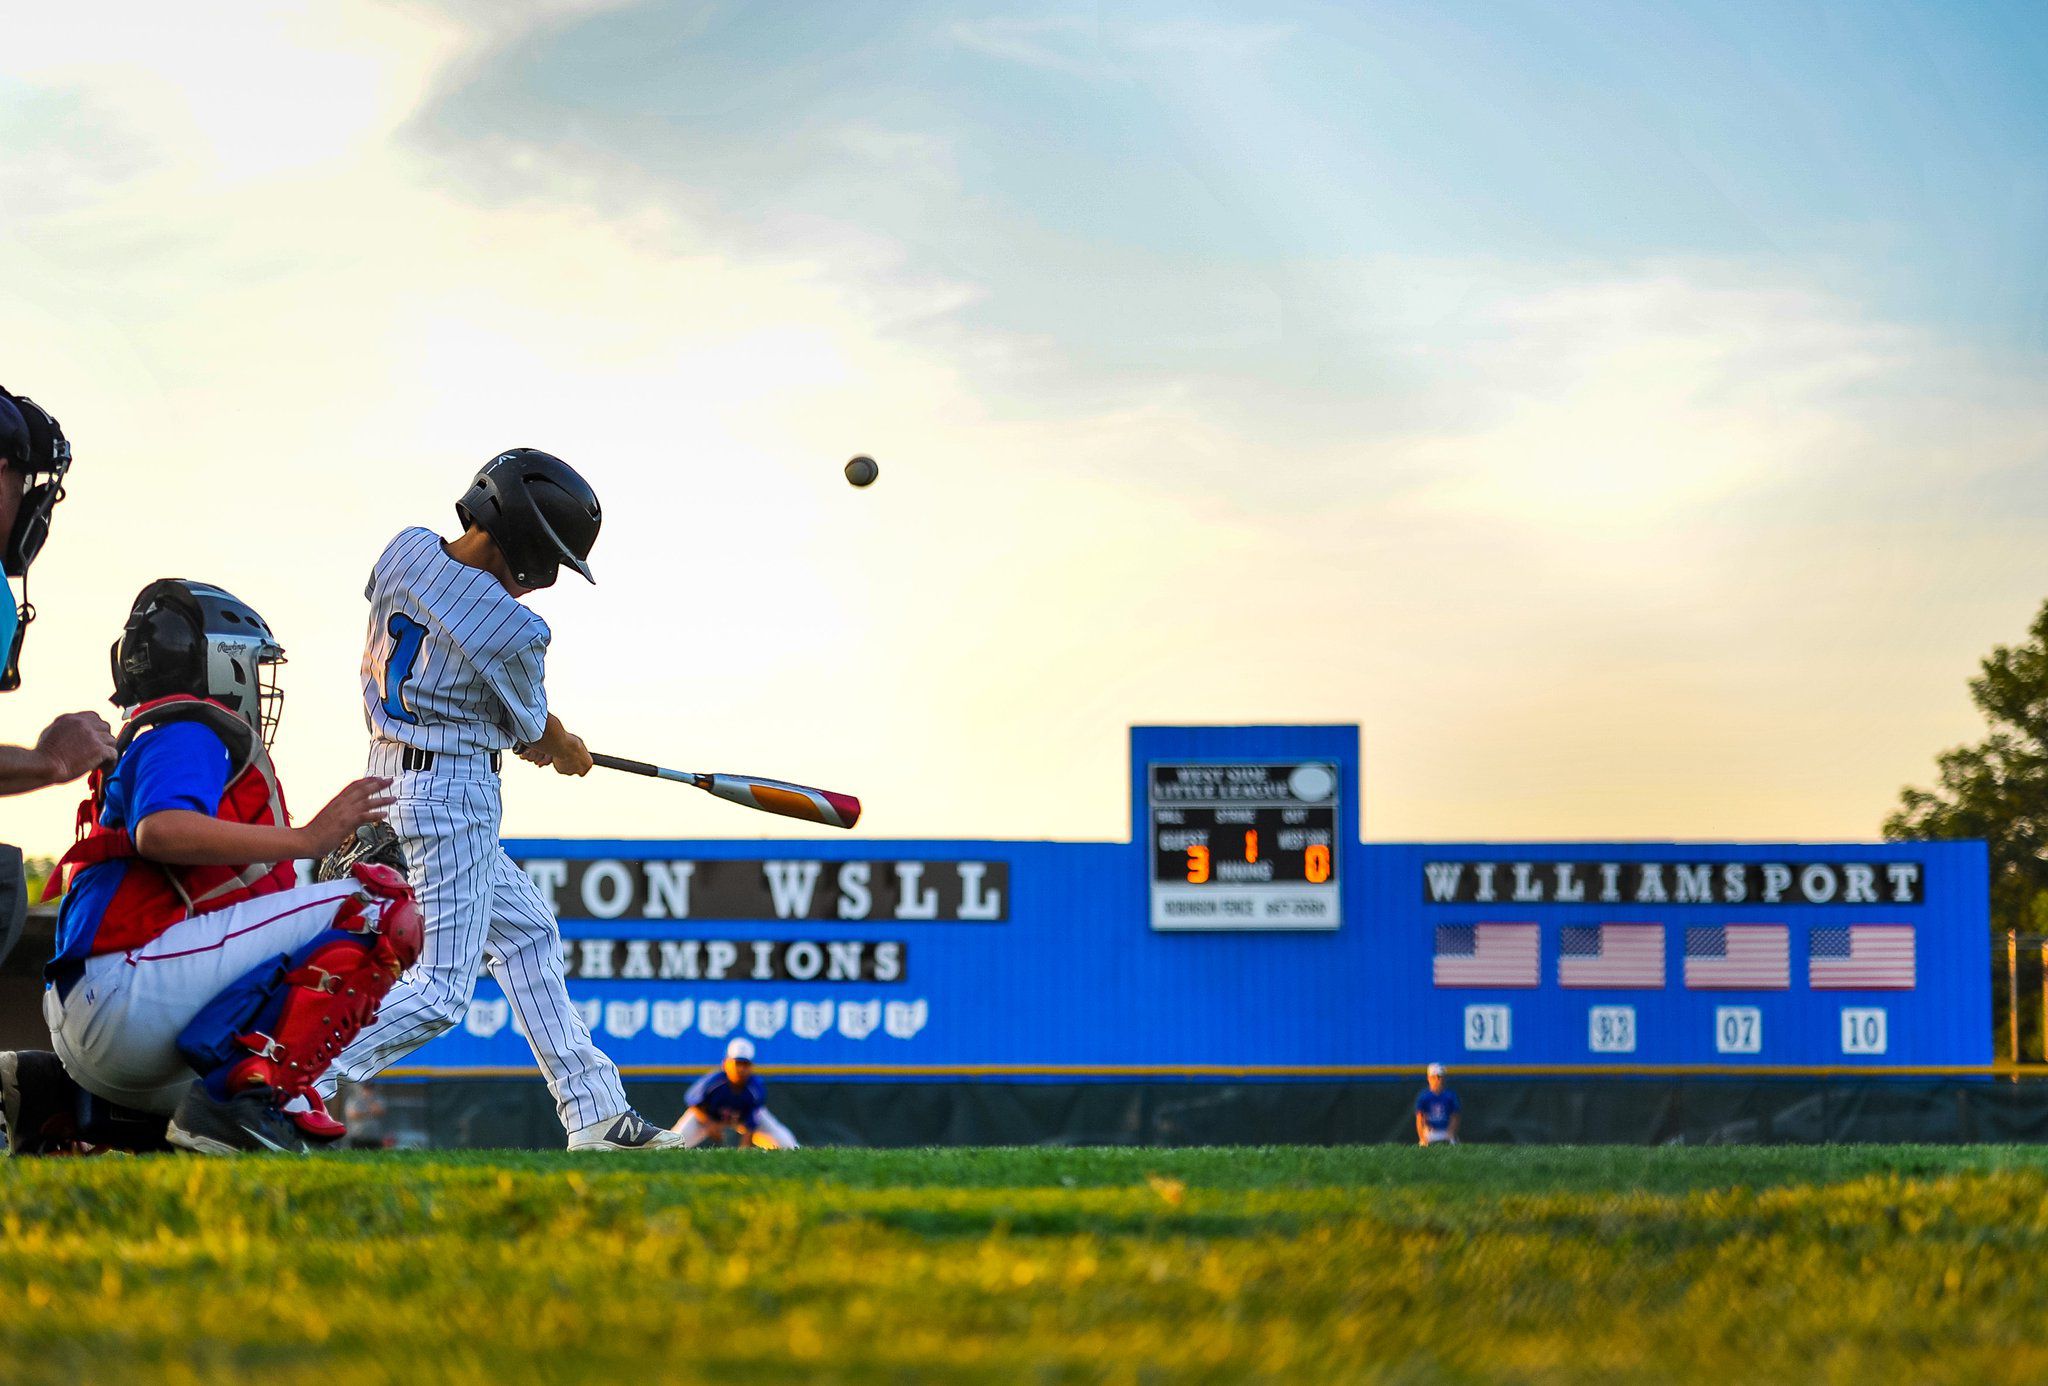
[1244, 846]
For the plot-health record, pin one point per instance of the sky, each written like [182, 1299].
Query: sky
[1634, 417]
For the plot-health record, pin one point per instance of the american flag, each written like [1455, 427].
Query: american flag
[1487, 955]
[1611, 955]
[1738, 957]
[1862, 957]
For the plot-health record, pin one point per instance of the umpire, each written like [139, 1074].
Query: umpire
[41, 1110]
[34, 456]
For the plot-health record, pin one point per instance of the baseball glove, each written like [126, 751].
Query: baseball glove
[374, 844]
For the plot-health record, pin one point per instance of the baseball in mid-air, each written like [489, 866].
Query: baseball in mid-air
[862, 471]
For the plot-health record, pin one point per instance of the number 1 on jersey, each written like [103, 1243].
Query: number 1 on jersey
[407, 635]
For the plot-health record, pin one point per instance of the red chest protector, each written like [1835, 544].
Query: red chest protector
[152, 895]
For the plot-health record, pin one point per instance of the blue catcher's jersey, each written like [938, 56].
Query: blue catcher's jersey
[180, 765]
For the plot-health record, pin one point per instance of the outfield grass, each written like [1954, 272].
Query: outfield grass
[1861, 1264]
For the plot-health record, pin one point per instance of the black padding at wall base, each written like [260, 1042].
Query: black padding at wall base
[519, 1113]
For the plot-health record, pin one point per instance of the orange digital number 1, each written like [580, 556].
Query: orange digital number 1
[1251, 844]
[1198, 865]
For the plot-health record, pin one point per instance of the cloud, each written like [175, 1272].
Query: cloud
[1098, 49]
[60, 152]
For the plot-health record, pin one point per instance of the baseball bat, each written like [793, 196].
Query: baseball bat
[751, 791]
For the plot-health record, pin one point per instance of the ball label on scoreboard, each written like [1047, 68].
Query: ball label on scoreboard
[1244, 846]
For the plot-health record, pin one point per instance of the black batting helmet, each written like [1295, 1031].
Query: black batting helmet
[538, 510]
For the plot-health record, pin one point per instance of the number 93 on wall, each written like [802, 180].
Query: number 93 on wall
[1611, 1029]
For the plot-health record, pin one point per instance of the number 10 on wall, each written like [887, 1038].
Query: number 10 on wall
[1863, 1030]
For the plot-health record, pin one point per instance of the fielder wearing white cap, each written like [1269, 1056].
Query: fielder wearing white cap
[1436, 1111]
[732, 1098]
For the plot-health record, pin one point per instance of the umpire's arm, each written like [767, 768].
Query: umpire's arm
[70, 747]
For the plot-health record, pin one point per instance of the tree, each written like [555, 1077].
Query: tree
[1997, 789]
[36, 871]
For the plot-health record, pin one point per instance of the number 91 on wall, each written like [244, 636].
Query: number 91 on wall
[1488, 1028]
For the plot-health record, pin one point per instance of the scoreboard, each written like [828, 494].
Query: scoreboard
[1244, 846]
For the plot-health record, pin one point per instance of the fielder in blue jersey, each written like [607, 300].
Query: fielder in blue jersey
[732, 1099]
[1436, 1111]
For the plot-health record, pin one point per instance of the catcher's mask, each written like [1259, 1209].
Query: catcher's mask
[198, 639]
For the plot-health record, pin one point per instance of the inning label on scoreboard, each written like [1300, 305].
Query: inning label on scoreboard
[1244, 846]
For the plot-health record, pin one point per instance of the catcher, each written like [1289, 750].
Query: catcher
[193, 976]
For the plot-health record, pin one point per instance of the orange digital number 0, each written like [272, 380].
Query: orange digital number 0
[1315, 863]
[1198, 865]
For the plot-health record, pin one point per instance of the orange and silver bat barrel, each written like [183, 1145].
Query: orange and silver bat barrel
[789, 800]
[751, 791]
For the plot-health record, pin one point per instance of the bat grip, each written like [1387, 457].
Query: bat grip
[631, 767]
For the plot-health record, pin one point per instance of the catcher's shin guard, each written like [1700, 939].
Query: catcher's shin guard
[280, 1026]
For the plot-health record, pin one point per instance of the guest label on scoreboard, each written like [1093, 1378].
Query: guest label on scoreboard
[1244, 846]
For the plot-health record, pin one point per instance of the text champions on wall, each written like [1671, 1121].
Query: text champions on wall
[1673, 883]
[942, 892]
[734, 960]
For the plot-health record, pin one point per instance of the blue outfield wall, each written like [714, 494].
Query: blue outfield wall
[1245, 928]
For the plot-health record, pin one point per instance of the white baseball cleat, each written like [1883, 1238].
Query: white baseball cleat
[627, 1131]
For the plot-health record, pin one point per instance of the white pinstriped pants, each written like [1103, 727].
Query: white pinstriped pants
[479, 908]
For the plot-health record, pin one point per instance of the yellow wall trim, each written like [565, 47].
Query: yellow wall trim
[1279, 1071]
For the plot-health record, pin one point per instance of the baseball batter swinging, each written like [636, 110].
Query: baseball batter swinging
[452, 678]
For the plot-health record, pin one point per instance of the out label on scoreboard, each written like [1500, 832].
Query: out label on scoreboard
[1244, 846]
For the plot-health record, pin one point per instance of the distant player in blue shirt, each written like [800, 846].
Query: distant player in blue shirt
[1436, 1111]
[731, 1098]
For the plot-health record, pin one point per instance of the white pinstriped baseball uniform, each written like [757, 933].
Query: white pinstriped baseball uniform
[453, 665]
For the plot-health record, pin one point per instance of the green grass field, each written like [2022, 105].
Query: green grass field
[1858, 1264]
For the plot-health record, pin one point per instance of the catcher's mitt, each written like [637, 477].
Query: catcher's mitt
[374, 843]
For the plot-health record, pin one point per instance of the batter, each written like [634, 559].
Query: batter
[453, 675]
